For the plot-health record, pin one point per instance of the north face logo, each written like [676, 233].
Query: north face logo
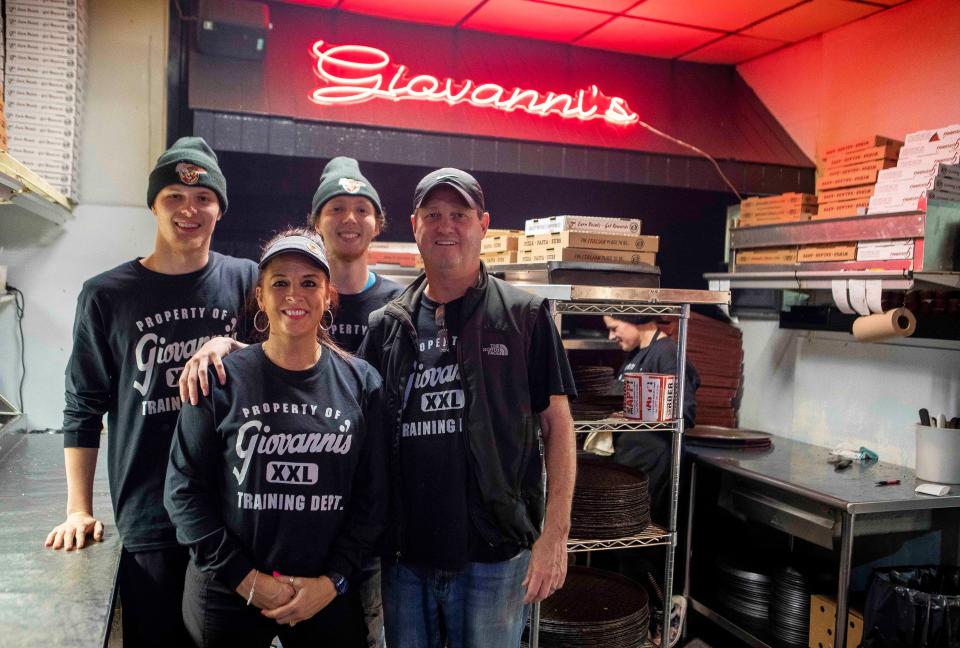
[351, 186]
[189, 173]
[496, 350]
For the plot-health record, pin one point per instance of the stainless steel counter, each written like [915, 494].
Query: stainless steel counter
[802, 468]
[792, 487]
[50, 598]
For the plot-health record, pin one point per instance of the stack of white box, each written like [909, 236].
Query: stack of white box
[926, 169]
[45, 69]
[3, 118]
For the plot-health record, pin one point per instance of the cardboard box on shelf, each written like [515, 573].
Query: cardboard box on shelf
[591, 241]
[859, 145]
[18, 46]
[60, 38]
[930, 148]
[40, 11]
[943, 157]
[775, 220]
[850, 176]
[543, 254]
[491, 232]
[888, 151]
[924, 173]
[843, 209]
[885, 250]
[594, 224]
[392, 257]
[39, 84]
[791, 211]
[845, 194]
[829, 252]
[767, 256]
[823, 623]
[780, 200]
[945, 132]
[502, 243]
[893, 200]
[490, 258]
[28, 107]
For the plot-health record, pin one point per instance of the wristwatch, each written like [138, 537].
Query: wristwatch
[339, 581]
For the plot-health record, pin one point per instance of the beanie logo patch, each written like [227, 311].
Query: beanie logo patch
[189, 173]
[351, 186]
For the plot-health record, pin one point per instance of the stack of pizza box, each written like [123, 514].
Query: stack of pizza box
[928, 168]
[592, 239]
[500, 246]
[775, 210]
[43, 87]
[848, 173]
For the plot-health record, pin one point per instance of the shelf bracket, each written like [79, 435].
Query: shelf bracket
[724, 286]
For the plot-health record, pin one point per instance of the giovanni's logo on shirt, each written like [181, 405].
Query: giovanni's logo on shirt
[496, 350]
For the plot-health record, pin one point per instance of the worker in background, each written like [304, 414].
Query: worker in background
[651, 351]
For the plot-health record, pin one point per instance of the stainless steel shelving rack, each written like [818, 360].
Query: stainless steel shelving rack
[598, 300]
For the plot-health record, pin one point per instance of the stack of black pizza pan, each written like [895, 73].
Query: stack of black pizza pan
[595, 609]
[609, 500]
[744, 591]
[598, 393]
[790, 606]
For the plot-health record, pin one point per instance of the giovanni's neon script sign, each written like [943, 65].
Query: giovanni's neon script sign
[357, 73]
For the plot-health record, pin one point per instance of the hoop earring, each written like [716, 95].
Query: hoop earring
[258, 329]
[326, 328]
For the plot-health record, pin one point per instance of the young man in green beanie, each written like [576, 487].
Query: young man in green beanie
[135, 327]
[346, 211]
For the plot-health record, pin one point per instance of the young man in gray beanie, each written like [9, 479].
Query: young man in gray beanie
[135, 326]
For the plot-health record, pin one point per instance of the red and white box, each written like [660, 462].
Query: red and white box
[919, 137]
[648, 396]
[885, 250]
[930, 148]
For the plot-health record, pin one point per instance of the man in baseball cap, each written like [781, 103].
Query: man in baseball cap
[132, 324]
[475, 371]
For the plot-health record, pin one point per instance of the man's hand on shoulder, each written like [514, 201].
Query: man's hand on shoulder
[72, 533]
[194, 373]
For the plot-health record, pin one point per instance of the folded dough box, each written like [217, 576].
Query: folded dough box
[580, 273]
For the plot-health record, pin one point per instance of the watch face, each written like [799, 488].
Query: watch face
[339, 583]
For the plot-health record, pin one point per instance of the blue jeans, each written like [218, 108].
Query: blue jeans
[478, 607]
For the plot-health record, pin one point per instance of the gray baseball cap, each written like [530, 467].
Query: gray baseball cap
[300, 244]
[464, 184]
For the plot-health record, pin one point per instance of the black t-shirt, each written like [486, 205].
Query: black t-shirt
[133, 332]
[350, 321]
[281, 470]
[651, 451]
[437, 490]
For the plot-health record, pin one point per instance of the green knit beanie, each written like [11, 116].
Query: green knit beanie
[342, 177]
[190, 161]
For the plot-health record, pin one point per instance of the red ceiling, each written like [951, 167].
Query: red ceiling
[704, 31]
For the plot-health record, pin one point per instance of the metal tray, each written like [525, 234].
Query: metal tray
[636, 275]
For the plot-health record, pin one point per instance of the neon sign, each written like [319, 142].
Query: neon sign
[357, 73]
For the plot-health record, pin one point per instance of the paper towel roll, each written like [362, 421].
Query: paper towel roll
[898, 322]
